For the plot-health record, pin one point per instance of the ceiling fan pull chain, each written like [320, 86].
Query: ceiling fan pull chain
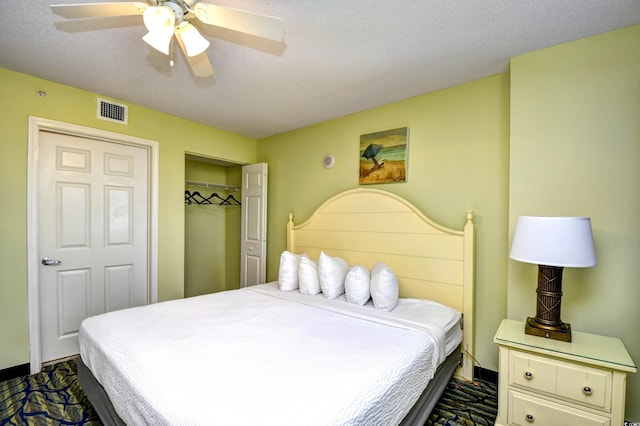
[171, 63]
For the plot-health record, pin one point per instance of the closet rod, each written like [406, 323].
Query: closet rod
[211, 185]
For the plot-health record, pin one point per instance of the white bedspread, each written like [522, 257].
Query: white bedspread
[252, 357]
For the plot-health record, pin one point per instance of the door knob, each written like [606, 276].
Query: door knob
[46, 261]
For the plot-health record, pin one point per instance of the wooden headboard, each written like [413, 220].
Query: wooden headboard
[431, 261]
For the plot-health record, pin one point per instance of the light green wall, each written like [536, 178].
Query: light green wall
[575, 151]
[458, 161]
[18, 101]
[204, 239]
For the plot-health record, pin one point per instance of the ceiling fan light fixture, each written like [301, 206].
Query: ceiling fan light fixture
[202, 12]
[159, 40]
[194, 42]
[158, 18]
[160, 22]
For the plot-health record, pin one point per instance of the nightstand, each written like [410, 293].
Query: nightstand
[550, 382]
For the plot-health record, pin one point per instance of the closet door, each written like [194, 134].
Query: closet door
[254, 225]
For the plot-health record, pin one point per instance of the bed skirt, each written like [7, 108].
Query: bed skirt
[417, 416]
[421, 410]
[97, 396]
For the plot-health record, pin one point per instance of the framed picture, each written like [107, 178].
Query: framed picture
[383, 156]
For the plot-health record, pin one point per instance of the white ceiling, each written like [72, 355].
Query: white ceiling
[337, 57]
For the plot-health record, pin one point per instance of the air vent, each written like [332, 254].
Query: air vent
[112, 111]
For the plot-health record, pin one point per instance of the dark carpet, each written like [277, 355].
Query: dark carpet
[51, 397]
[466, 403]
[54, 397]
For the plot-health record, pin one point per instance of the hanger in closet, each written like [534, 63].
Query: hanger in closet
[230, 201]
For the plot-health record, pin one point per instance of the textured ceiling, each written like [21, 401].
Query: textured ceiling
[337, 57]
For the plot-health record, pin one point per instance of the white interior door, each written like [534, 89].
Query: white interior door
[253, 249]
[93, 245]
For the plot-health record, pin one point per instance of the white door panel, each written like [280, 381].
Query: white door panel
[73, 299]
[93, 207]
[254, 225]
[252, 270]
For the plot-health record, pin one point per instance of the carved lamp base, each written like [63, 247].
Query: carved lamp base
[547, 322]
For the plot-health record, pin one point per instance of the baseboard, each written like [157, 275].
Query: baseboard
[13, 372]
[485, 374]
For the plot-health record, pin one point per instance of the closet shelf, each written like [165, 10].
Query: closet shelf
[211, 185]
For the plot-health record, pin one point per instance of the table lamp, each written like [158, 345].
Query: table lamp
[552, 243]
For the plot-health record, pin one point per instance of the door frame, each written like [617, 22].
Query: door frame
[37, 124]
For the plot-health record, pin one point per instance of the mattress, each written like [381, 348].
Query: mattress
[259, 355]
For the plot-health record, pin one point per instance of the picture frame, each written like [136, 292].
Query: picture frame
[384, 156]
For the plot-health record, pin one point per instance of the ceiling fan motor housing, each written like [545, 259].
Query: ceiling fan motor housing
[178, 7]
[189, 3]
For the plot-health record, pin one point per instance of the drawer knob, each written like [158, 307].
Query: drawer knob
[529, 418]
[587, 390]
[528, 375]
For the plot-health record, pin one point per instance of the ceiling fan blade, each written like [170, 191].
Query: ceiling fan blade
[199, 64]
[240, 20]
[98, 10]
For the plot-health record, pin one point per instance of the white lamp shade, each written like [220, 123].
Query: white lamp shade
[554, 241]
[193, 41]
[158, 17]
[160, 23]
[159, 40]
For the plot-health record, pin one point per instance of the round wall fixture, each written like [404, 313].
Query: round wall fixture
[328, 161]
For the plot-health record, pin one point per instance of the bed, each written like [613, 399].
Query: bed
[267, 356]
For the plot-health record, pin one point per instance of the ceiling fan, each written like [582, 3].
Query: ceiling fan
[165, 19]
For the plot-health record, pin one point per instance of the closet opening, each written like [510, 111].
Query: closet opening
[212, 225]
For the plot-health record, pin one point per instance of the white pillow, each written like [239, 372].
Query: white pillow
[308, 276]
[384, 287]
[356, 285]
[288, 271]
[331, 273]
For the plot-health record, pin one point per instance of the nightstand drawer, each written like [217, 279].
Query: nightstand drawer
[527, 410]
[573, 382]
